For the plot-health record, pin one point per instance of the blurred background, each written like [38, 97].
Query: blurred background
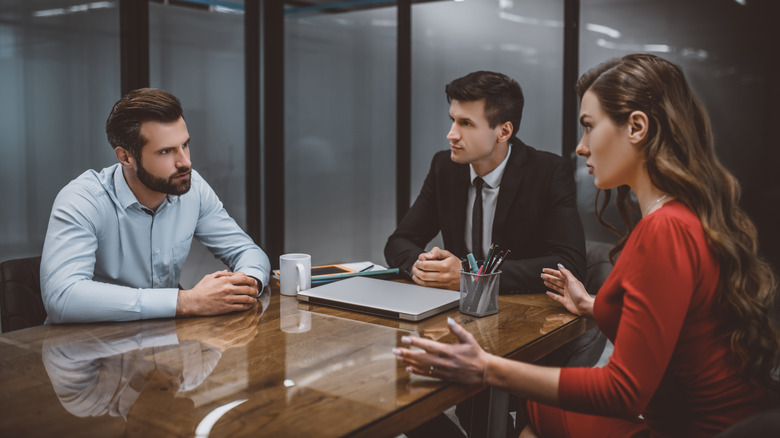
[315, 121]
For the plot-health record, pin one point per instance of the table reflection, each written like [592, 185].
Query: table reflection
[291, 318]
[142, 372]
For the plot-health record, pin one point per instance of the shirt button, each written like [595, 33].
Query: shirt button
[157, 250]
[157, 280]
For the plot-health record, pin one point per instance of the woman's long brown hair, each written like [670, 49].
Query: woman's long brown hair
[680, 160]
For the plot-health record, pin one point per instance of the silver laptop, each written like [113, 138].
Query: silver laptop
[383, 298]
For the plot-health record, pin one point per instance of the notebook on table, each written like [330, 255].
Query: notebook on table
[384, 298]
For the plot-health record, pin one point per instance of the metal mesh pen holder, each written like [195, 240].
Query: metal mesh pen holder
[479, 293]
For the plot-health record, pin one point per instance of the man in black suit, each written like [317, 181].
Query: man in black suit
[528, 205]
[528, 196]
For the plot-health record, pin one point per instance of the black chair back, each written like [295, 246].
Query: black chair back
[21, 305]
[597, 264]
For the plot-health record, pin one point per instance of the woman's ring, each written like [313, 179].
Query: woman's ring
[430, 370]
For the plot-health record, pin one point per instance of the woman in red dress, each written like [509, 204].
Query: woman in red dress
[687, 303]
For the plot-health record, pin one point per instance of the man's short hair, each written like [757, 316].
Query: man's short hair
[123, 126]
[503, 96]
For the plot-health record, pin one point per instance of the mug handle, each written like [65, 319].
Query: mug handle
[301, 278]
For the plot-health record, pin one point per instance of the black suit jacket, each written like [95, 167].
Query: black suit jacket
[536, 217]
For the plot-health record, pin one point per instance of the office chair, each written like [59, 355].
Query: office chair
[597, 265]
[21, 305]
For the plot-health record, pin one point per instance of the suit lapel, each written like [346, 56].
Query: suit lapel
[510, 184]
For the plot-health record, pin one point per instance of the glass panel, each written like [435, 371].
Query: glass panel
[717, 44]
[522, 39]
[197, 53]
[340, 81]
[60, 68]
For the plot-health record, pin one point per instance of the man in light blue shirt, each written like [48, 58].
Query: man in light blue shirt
[118, 238]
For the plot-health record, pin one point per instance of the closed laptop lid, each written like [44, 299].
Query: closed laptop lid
[382, 297]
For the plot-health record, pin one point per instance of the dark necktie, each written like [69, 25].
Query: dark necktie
[476, 221]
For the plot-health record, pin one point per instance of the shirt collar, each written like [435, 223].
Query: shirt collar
[123, 193]
[493, 179]
[126, 196]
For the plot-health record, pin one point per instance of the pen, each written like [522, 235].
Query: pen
[501, 261]
[322, 279]
[490, 263]
[494, 254]
[486, 262]
[366, 268]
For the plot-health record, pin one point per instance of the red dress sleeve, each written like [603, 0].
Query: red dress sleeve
[641, 308]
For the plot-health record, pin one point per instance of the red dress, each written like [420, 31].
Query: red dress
[669, 364]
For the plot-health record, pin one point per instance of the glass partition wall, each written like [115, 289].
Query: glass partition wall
[59, 64]
[339, 169]
[59, 60]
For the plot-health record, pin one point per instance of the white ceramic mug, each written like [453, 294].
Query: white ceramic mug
[295, 273]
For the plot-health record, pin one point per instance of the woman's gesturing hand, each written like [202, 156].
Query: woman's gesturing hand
[464, 362]
[567, 290]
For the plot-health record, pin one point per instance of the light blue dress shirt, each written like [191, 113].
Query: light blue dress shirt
[106, 258]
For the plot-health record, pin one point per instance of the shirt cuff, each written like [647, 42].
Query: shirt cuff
[158, 303]
[257, 274]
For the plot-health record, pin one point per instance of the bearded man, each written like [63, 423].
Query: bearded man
[117, 239]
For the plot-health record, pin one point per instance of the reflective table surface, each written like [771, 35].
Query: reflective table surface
[282, 369]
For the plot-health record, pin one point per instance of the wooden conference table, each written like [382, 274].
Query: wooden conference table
[282, 369]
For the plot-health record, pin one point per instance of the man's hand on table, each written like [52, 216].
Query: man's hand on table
[218, 293]
[437, 268]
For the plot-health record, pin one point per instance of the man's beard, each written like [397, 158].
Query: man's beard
[162, 185]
